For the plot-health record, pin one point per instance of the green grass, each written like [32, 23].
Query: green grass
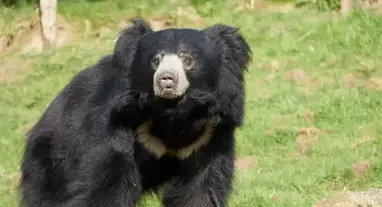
[326, 49]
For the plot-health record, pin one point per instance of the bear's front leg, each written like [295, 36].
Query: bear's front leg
[107, 175]
[207, 187]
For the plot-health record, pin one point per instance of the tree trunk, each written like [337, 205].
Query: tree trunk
[48, 12]
[346, 6]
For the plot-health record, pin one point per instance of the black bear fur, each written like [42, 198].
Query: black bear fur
[84, 151]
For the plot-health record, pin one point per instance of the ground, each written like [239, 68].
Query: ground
[313, 106]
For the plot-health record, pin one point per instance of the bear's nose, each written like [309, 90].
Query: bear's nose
[168, 77]
[167, 80]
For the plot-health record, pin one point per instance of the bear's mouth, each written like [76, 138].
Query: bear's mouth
[168, 93]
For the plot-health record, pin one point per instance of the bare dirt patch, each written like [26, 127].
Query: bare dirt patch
[3, 44]
[305, 143]
[186, 16]
[265, 81]
[246, 162]
[260, 5]
[158, 22]
[374, 83]
[352, 81]
[374, 6]
[360, 168]
[27, 37]
[298, 76]
[181, 14]
[363, 140]
[273, 66]
[306, 138]
[312, 131]
[280, 7]
[11, 69]
[303, 80]
[309, 116]
[368, 198]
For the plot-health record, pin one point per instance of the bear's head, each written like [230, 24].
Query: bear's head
[177, 65]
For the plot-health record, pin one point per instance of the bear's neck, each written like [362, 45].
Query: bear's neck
[177, 129]
[178, 125]
[180, 139]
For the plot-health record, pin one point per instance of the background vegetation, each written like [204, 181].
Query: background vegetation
[313, 108]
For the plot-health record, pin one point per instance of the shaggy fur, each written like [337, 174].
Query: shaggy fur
[106, 138]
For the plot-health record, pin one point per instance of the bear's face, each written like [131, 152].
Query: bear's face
[175, 63]
[178, 73]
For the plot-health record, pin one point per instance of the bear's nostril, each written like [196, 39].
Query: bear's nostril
[167, 77]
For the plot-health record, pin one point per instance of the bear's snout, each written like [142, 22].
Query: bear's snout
[167, 80]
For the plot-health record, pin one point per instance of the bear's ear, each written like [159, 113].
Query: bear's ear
[235, 50]
[235, 56]
[127, 42]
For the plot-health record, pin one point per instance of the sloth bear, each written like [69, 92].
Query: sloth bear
[158, 114]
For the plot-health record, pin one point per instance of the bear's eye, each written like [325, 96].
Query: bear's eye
[155, 61]
[187, 62]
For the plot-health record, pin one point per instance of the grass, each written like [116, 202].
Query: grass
[313, 104]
